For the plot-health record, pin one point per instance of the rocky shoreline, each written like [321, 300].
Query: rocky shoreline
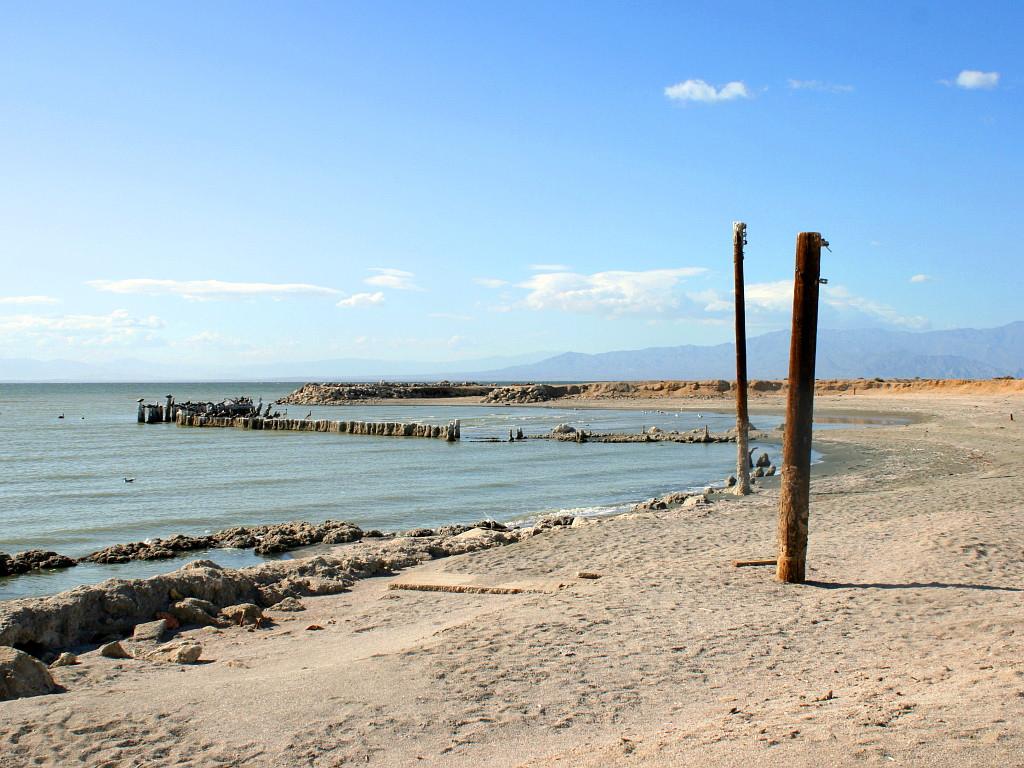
[203, 593]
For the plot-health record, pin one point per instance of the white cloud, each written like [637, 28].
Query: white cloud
[698, 90]
[837, 297]
[396, 279]
[28, 300]
[615, 292]
[550, 268]
[86, 330]
[362, 300]
[490, 282]
[818, 85]
[973, 80]
[921, 278]
[208, 289]
[777, 297]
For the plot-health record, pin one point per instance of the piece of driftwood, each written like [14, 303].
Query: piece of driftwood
[747, 563]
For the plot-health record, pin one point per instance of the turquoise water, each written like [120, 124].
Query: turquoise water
[63, 483]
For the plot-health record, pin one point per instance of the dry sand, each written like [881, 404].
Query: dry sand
[907, 649]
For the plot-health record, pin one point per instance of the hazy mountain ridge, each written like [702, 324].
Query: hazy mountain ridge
[959, 353]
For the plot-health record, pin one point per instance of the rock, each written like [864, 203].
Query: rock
[418, 533]
[201, 564]
[243, 614]
[150, 632]
[758, 472]
[564, 429]
[770, 471]
[169, 620]
[555, 521]
[654, 431]
[763, 461]
[472, 533]
[33, 560]
[181, 653]
[730, 481]
[114, 650]
[191, 610]
[290, 604]
[581, 522]
[22, 675]
[66, 659]
[695, 501]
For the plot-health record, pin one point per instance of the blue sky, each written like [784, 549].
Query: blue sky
[443, 181]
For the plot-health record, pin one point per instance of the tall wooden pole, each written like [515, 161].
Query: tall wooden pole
[739, 239]
[796, 447]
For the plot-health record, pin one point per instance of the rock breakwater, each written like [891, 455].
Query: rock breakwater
[328, 393]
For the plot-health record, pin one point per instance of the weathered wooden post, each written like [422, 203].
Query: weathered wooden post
[167, 408]
[739, 239]
[794, 497]
[141, 415]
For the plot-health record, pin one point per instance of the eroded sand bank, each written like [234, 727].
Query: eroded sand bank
[907, 649]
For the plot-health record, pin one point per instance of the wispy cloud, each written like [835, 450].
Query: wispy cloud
[550, 268]
[974, 80]
[615, 292]
[362, 300]
[490, 282]
[922, 278]
[208, 289]
[450, 316]
[777, 298]
[118, 327]
[698, 90]
[819, 85]
[396, 279]
[21, 300]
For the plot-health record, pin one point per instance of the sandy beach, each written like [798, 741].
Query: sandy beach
[906, 648]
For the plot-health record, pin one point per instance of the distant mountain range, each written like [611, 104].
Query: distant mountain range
[962, 353]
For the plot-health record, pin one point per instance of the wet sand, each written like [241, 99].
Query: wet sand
[907, 647]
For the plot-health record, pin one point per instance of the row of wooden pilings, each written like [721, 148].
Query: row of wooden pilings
[157, 413]
[450, 432]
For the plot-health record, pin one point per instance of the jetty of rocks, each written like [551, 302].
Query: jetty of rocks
[328, 393]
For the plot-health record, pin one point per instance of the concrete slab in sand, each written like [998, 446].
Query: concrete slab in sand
[441, 581]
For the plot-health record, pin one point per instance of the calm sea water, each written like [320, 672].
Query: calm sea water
[63, 483]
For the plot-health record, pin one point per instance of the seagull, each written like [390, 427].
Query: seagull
[129, 479]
